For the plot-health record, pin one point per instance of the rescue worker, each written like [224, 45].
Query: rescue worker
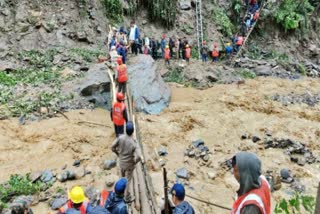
[163, 44]
[115, 203]
[253, 195]
[121, 76]
[180, 49]
[188, 54]
[119, 114]
[229, 50]
[77, 200]
[255, 17]
[122, 51]
[129, 155]
[184, 44]
[167, 55]
[171, 46]
[204, 52]
[181, 206]
[239, 42]
[215, 53]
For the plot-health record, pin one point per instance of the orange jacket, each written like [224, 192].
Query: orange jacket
[215, 53]
[69, 205]
[117, 113]
[188, 53]
[167, 53]
[258, 197]
[122, 73]
[103, 197]
[240, 40]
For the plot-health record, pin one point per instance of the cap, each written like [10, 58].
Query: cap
[178, 190]
[121, 185]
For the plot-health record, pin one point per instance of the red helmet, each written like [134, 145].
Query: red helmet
[120, 96]
[119, 60]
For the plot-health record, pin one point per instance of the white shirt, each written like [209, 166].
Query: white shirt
[132, 34]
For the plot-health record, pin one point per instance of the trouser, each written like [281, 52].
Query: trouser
[122, 87]
[167, 61]
[204, 57]
[127, 173]
[183, 54]
[171, 52]
[154, 54]
[118, 130]
[214, 59]
[134, 48]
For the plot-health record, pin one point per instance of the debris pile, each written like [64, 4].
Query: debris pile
[306, 98]
[200, 152]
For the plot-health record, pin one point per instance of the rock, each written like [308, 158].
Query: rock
[301, 161]
[212, 77]
[64, 167]
[81, 36]
[263, 70]
[35, 176]
[44, 110]
[63, 176]
[47, 176]
[162, 151]
[206, 158]
[58, 202]
[79, 173]
[286, 176]
[95, 86]
[298, 187]
[212, 175]
[109, 164]
[48, 26]
[245, 136]
[182, 173]
[66, 72]
[151, 94]
[71, 175]
[76, 163]
[197, 143]
[144, 22]
[21, 202]
[99, 30]
[185, 4]
[110, 180]
[255, 139]
[7, 66]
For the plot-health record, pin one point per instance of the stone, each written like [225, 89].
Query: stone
[95, 85]
[255, 139]
[182, 173]
[244, 136]
[47, 176]
[144, 22]
[35, 176]
[76, 163]
[67, 72]
[162, 162]
[212, 175]
[63, 176]
[185, 4]
[109, 164]
[110, 180]
[301, 161]
[82, 36]
[263, 70]
[212, 77]
[71, 175]
[197, 143]
[151, 94]
[48, 26]
[162, 151]
[58, 202]
[79, 173]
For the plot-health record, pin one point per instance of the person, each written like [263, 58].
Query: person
[153, 48]
[255, 17]
[121, 76]
[178, 195]
[129, 154]
[119, 114]
[215, 53]
[204, 52]
[229, 50]
[185, 43]
[188, 54]
[171, 46]
[98, 210]
[163, 44]
[115, 203]
[248, 21]
[146, 45]
[77, 201]
[239, 42]
[121, 36]
[167, 53]
[253, 6]
[113, 42]
[122, 51]
[181, 56]
[253, 195]
[134, 36]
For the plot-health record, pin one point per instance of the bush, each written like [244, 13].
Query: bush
[292, 14]
[113, 9]
[223, 22]
[246, 74]
[293, 205]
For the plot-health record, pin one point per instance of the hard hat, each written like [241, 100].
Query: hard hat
[76, 195]
[129, 128]
[120, 96]
[119, 60]
[121, 185]
[167, 46]
[228, 44]
[187, 46]
[178, 190]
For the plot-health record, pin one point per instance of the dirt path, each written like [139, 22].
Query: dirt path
[219, 116]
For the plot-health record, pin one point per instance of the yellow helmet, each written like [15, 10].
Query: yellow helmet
[76, 195]
[167, 46]
[187, 46]
[228, 44]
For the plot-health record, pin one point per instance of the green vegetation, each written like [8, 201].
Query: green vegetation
[18, 185]
[293, 14]
[221, 19]
[39, 59]
[297, 204]
[114, 10]
[87, 55]
[246, 74]
[175, 75]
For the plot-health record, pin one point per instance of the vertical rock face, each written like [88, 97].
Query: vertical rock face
[151, 94]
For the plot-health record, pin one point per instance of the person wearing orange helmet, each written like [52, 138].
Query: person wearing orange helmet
[121, 76]
[167, 53]
[119, 114]
[188, 54]
[215, 53]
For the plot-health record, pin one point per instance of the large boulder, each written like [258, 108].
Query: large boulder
[96, 85]
[151, 94]
[185, 5]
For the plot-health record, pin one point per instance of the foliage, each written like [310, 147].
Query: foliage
[39, 59]
[175, 75]
[113, 9]
[163, 11]
[292, 14]
[18, 185]
[86, 54]
[293, 205]
[221, 19]
[246, 74]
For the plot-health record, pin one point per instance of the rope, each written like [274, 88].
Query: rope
[209, 203]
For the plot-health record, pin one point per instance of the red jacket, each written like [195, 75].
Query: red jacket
[117, 113]
[122, 73]
[69, 205]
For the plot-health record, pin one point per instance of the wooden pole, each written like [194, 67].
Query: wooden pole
[317, 209]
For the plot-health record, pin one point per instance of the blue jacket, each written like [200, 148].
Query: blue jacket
[183, 208]
[115, 204]
[137, 33]
[228, 49]
[163, 43]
